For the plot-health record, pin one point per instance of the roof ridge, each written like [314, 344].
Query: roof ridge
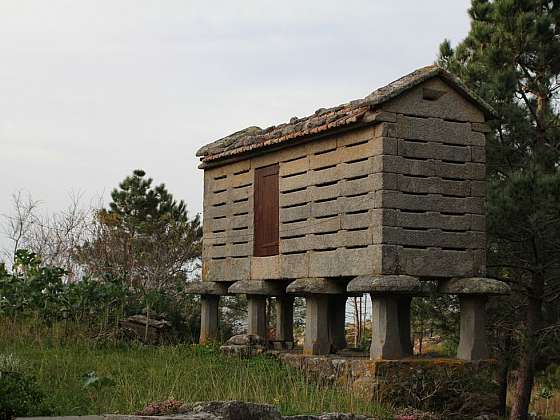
[323, 119]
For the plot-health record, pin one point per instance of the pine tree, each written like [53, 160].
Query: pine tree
[511, 57]
[145, 237]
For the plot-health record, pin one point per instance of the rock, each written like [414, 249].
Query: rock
[319, 285]
[233, 410]
[246, 340]
[475, 286]
[223, 410]
[394, 284]
[244, 345]
[148, 330]
[243, 351]
[330, 416]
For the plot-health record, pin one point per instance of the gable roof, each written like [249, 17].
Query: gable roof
[325, 119]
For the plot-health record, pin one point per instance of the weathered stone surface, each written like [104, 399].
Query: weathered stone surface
[208, 318]
[389, 284]
[258, 287]
[216, 410]
[227, 269]
[431, 262]
[207, 288]
[480, 127]
[246, 340]
[386, 340]
[330, 416]
[234, 410]
[256, 315]
[412, 181]
[316, 339]
[464, 389]
[474, 285]
[433, 238]
[318, 285]
[245, 345]
[65, 418]
[285, 319]
[265, 267]
[451, 105]
[153, 330]
[472, 339]
[294, 266]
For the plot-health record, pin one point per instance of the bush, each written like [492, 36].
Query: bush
[20, 396]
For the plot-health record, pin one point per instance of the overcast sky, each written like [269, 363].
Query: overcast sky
[92, 89]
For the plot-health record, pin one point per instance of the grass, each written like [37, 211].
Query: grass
[143, 374]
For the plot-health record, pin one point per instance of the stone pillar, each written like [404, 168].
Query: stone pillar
[285, 319]
[386, 339]
[472, 340]
[337, 321]
[208, 318]
[404, 324]
[256, 321]
[317, 325]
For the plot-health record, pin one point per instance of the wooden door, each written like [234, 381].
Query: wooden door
[266, 211]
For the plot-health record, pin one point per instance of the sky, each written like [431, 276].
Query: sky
[93, 89]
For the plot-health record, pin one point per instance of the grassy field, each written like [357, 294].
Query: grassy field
[143, 374]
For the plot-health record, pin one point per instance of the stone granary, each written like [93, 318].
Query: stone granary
[382, 195]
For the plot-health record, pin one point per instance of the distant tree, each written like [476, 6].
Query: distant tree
[52, 236]
[511, 57]
[145, 237]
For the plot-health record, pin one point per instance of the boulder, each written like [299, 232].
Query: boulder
[330, 416]
[232, 410]
[153, 330]
[222, 410]
[244, 345]
[246, 340]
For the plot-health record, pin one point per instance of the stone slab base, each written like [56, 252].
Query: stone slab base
[459, 389]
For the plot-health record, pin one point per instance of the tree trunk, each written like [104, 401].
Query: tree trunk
[526, 371]
[503, 377]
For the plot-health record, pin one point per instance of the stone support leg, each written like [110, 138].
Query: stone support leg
[285, 319]
[337, 321]
[256, 309]
[472, 340]
[317, 325]
[386, 338]
[404, 324]
[208, 318]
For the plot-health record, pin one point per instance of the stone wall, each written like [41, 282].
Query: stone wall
[327, 192]
[432, 203]
[457, 389]
[404, 195]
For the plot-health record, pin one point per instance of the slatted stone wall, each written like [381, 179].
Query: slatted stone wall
[228, 222]
[405, 195]
[433, 207]
[327, 198]
[327, 204]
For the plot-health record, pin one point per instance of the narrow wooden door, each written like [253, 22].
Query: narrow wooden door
[266, 211]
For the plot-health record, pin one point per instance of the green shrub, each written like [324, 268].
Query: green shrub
[20, 396]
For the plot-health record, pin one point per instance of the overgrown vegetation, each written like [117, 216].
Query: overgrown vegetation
[133, 375]
[38, 292]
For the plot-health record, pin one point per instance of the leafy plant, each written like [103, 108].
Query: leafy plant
[91, 380]
[20, 396]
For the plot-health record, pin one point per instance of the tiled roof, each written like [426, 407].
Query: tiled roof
[325, 119]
